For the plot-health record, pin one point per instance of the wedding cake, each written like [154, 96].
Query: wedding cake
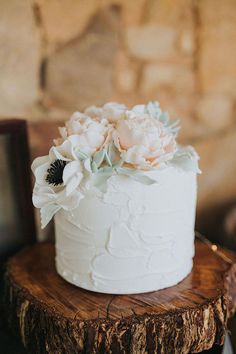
[123, 196]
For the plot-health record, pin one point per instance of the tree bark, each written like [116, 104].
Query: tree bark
[53, 316]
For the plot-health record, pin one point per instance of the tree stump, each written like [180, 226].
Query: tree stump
[53, 316]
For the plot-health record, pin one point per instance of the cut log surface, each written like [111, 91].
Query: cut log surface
[53, 316]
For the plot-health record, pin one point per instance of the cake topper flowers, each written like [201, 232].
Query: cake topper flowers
[101, 142]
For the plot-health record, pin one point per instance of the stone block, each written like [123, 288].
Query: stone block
[126, 73]
[187, 42]
[217, 69]
[215, 111]
[218, 164]
[175, 13]
[64, 20]
[176, 77]
[132, 11]
[215, 14]
[151, 42]
[19, 58]
[217, 47]
[81, 73]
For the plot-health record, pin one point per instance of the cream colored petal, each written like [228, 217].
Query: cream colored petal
[70, 170]
[73, 183]
[41, 173]
[39, 161]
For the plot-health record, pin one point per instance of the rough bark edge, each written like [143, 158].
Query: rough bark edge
[230, 286]
[43, 330]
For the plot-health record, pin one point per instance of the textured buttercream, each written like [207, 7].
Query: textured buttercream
[132, 238]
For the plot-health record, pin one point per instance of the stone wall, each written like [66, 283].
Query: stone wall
[60, 56]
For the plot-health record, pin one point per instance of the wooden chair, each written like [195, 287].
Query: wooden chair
[17, 223]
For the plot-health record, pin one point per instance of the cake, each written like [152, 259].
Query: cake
[122, 193]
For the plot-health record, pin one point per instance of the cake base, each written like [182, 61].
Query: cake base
[143, 285]
[53, 316]
[135, 238]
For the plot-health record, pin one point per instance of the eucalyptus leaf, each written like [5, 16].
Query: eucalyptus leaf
[99, 157]
[94, 167]
[100, 178]
[113, 153]
[137, 176]
[153, 109]
[186, 159]
[174, 123]
[47, 212]
[141, 178]
[173, 126]
[108, 159]
[81, 155]
[105, 170]
[164, 118]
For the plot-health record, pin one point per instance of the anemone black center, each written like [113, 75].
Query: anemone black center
[55, 172]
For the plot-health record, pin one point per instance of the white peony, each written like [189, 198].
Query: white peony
[111, 111]
[87, 134]
[143, 140]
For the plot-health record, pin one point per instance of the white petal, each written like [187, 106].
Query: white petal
[93, 111]
[71, 169]
[63, 152]
[41, 172]
[73, 183]
[41, 200]
[55, 154]
[139, 108]
[74, 139]
[63, 132]
[70, 202]
[77, 116]
[47, 213]
[81, 143]
[39, 161]
[87, 165]
[114, 105]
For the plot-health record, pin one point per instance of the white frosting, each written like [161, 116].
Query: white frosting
[133, 238]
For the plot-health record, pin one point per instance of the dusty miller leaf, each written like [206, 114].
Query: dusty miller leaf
[137, 176]
[99, 157]
[186, 159]
[47, 212]
[81, 155]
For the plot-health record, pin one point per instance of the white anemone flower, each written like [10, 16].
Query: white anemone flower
[61, 180]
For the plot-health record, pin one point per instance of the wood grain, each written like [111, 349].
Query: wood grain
[53, 316]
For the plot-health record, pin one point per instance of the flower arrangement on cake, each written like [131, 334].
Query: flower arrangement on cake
[123, 196]
[101, 142]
